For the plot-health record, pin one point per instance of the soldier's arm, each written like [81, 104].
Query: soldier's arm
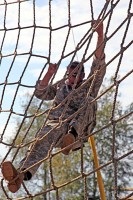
[98, 65]
[51, 71]
[98, 27]
[43, 91]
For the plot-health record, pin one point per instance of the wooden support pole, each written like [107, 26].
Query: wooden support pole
[96, 162]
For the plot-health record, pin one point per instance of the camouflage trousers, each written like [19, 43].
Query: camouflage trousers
[50, 134]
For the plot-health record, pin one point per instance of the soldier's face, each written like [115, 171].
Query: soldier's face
[73, 77]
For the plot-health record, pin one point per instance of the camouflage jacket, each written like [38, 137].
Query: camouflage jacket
[67, 101]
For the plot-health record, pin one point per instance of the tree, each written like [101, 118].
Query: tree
[30, 126]
[104, 144]
[66, 168]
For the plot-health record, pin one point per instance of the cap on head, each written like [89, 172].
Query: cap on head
[74, 64]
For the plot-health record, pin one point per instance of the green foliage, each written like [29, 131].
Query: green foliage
[68, 168]
[114, 139]
[25, 131]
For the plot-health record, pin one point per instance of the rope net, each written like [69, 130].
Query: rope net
[29, 43]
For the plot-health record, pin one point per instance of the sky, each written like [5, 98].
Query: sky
[12, 68]
[80, 11]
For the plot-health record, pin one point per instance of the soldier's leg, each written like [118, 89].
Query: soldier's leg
[38, 151]
[84, 123]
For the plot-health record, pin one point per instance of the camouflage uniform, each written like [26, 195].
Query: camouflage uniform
[84, 122]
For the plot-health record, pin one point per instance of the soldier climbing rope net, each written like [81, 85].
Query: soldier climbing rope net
[29, 41]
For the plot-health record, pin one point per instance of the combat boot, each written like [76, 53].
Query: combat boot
[67, 140]
[11, 175]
